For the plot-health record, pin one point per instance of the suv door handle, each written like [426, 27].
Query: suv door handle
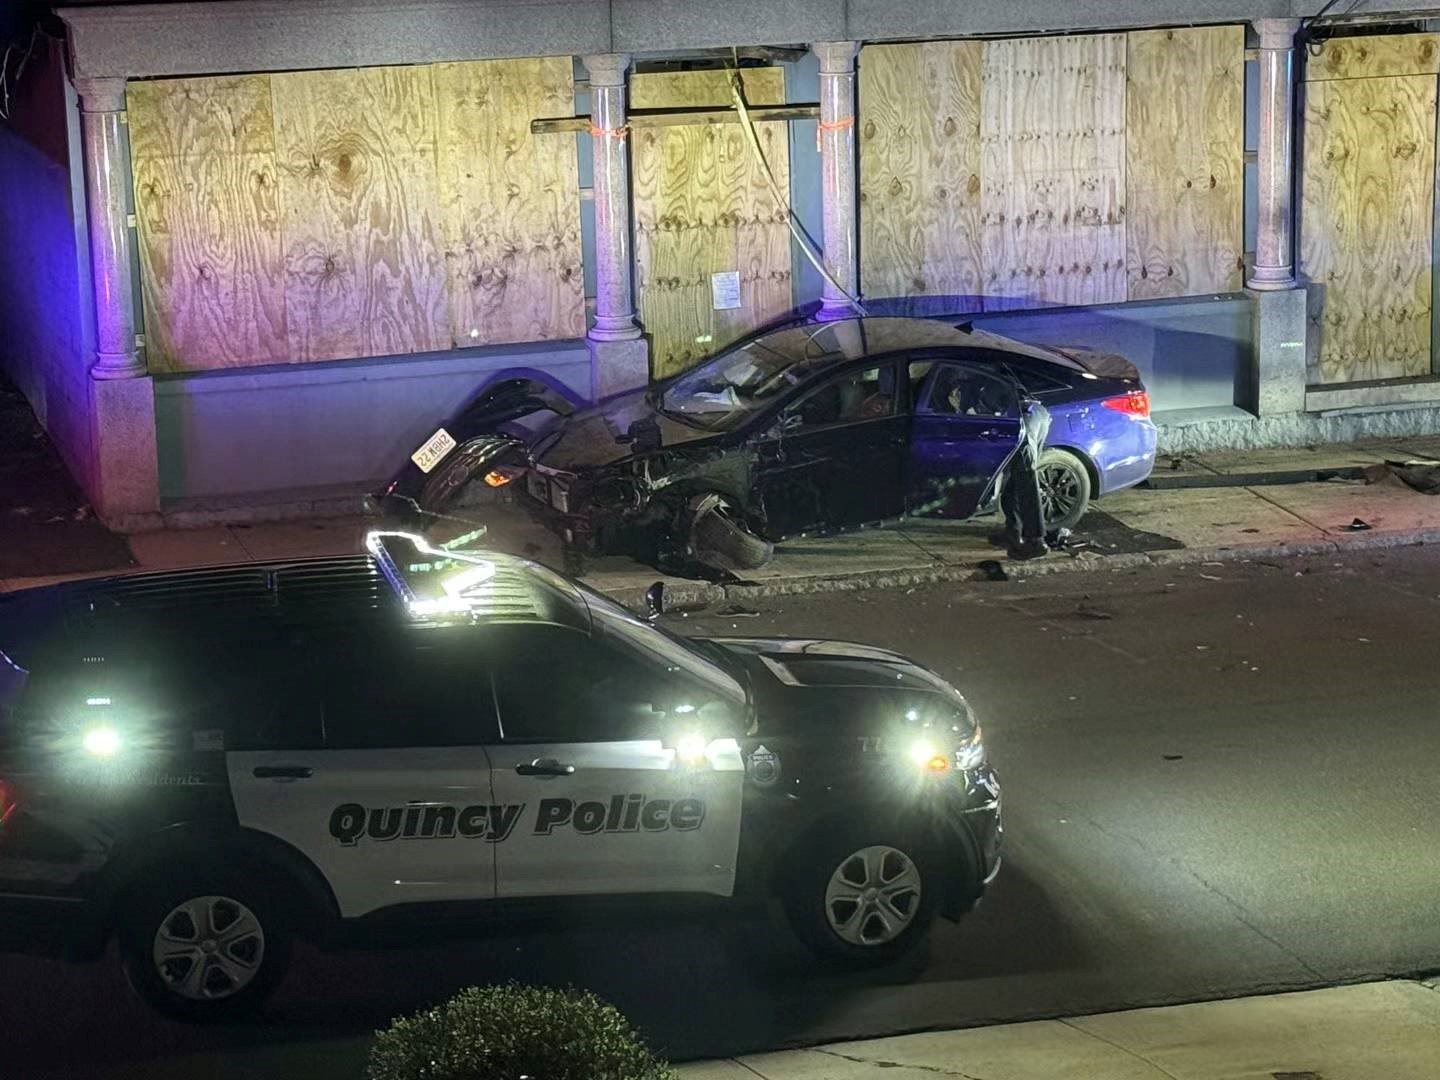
[545, 767]
[283, 772]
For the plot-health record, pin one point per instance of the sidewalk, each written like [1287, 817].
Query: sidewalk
[1161, 525]
[1370, 1031]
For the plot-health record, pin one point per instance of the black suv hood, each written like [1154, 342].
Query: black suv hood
[587, 439]
[803, 684]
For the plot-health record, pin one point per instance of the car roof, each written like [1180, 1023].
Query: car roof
[342, 590]
[865, 336]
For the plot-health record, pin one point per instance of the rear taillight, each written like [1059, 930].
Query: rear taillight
[1135, 403]
[9, 802]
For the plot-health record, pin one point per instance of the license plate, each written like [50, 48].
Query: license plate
[538, 488]
[434, 450]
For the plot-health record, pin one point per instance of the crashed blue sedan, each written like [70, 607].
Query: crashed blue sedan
[805, 428]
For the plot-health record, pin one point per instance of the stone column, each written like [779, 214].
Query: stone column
[620, 358]
[125, 483]
[102, 101]
[1274, 241]
[837, 174]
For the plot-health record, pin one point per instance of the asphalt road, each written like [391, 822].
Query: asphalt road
[1218, 780]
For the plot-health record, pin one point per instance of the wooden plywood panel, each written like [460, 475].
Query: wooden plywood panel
[1184, 169]
[1372, 56]
[364, 270]
[920, 200]
[1366, 219]
[208, 214]
[510, 201]
[1053, 171]
[703, 206]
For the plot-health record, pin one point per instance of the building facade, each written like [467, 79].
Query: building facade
[259, 249]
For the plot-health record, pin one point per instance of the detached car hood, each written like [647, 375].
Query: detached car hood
[588, 439]
[808, 683]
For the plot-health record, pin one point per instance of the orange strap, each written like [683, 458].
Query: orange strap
[832, 125]
[609, 133]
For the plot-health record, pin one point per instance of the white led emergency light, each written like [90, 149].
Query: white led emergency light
[461, 590]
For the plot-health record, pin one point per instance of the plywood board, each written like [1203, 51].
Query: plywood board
[1373, 56]
[1053, 170]
[1366, 217]
[703, 206]
[1184, 167]
[208, 213]
[509, 201]
[920, 201]
[364, 264]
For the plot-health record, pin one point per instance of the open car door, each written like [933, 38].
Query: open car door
[966, 427]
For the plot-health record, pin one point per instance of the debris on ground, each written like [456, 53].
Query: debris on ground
[1173, 757]
[1211, 577]
[1085, 611]
[992, 570]
[737, 611]
[1358, 525]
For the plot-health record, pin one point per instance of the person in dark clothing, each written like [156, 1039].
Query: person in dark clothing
[1020, 502]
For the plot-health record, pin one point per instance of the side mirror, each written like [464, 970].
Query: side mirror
[655, 601]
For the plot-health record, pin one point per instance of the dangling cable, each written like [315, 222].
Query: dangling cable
[737, 94]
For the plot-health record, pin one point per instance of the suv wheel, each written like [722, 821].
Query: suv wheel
[865, 901]
[204, 948]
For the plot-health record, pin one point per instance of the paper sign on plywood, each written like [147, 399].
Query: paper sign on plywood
[725, 290]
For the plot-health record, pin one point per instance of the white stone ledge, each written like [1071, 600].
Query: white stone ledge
[1376, 396]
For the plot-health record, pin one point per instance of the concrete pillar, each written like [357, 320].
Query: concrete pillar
[1274, 242]
[125, 483]
[619, 356]
[107, 205]
[837, 174]
[1279, 350]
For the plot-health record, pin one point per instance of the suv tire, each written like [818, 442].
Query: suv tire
[205, 946]
[720, 539]
[863, 899]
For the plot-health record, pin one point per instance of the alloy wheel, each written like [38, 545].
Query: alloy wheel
[873, 896]
[1059, 491]
[209, 948]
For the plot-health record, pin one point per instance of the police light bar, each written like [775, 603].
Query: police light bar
[431, 581]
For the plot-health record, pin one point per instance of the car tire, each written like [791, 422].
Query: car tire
[205, 947]
[1065, 488]
[719, 538]
[833, 913]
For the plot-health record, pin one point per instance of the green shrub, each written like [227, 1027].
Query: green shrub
[511, 1032]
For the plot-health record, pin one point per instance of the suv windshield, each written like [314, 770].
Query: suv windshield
[613, 623]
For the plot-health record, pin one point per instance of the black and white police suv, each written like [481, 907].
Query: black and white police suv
[207, 764]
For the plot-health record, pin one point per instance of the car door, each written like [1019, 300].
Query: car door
[835, 456]
[966, 426]
[390, 795]
[597, 749]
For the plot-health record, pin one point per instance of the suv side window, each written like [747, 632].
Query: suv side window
[960, 390]
[556, 684]
[866, 394]
[407, 688]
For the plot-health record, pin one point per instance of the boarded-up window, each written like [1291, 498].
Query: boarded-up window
[331, 214]
[1368, 195]
[703, 208]
[1085, 169]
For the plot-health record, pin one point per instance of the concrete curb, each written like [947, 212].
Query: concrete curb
[687, 593]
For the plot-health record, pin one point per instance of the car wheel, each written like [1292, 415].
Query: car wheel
[864, 901]
[720, 538]
[205, 947]
[1064, 489]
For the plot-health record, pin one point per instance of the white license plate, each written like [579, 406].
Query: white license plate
[434, 450]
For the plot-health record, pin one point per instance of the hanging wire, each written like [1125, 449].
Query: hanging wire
[737, 93]
[5, 79]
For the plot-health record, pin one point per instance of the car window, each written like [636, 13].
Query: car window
[867, 394]
[1036, 381]
[959, 390]
[408, 688]
[554, 684]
